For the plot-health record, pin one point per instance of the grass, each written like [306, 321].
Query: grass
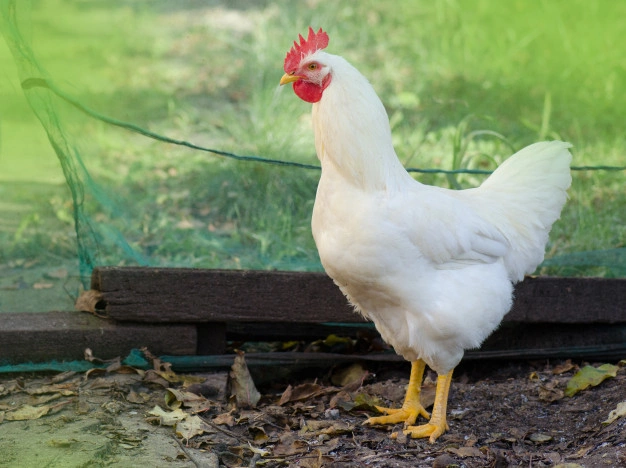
[463, 82]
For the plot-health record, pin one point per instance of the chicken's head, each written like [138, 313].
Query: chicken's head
[305, 68]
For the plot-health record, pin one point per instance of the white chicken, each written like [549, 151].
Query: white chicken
[432, 268]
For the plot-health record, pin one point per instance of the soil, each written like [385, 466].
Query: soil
[500, 414]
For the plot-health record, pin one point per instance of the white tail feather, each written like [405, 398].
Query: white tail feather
[523, 198]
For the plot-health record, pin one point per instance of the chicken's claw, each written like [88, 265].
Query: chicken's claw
[437, 424]
[412, 408]
[432, 430]
[407, 414]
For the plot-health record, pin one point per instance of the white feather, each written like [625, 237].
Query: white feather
[432, 268]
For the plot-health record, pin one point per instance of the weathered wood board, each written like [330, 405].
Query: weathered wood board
[193, 312]
[193, 295]
[34, 337]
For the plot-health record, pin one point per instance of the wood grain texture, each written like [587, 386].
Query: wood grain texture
[37, 337]
[194, 295]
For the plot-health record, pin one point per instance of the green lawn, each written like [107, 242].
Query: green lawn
[208, 73]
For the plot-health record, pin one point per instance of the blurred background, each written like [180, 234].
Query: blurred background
[465, 84]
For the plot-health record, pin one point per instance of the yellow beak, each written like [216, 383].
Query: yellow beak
[287, 78]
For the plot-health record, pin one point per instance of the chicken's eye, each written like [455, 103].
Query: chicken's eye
[312, 66]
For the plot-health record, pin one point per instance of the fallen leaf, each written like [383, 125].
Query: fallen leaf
[190, 427]
[290, 445]
[258, 451]
[549, 392]
[342, 400]
[43, 285]
[589, 376]
[331, 428]
[301, 392]
[241, 383]
[138, 398]
[61, 389]
[175, 399]
[617, 413]
[224, 419]
[27, 412]
[315, 460]
[168, 418]
[563, 368]
[464, 452]
[581, 453]
[258, 434]
[353, 374]
[365, 401]
[154, 377]
[540, 438]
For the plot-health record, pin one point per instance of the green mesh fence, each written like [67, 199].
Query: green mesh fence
[193, 171]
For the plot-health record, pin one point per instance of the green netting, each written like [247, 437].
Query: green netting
[154, 133]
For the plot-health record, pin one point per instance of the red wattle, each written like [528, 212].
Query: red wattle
[310, 92]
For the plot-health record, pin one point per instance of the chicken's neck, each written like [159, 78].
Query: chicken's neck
[352, 134]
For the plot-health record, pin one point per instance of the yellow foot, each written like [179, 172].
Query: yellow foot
[430, 430]
[412, 407]
[407, 414]
[437, 424]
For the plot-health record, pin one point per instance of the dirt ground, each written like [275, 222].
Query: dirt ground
[500, 414]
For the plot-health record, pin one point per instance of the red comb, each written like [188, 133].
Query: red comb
[316, 41]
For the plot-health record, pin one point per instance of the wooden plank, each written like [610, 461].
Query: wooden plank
[194, 295]
[161, 295]
[37, 337]
[569, 300]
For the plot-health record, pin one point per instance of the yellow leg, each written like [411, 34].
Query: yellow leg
[437, 424]
[412, 407]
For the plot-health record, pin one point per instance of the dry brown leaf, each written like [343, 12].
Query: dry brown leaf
[225, 419]
[315, 460]
[62, 389]
[290, 445]
[563, 368]
[549, 392]
[540, 438]
[138, 398]
[27, 412]
[351, 375]
[618, 412]
[465, 452]
[241, 384]
[38, 400]
[301, 392]
[168, 418]
[342, 400]
[331, 428]
[175, 399]
[259, 436]
[190, 427]
[154, 377]
[365, 401]
[388, 390]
